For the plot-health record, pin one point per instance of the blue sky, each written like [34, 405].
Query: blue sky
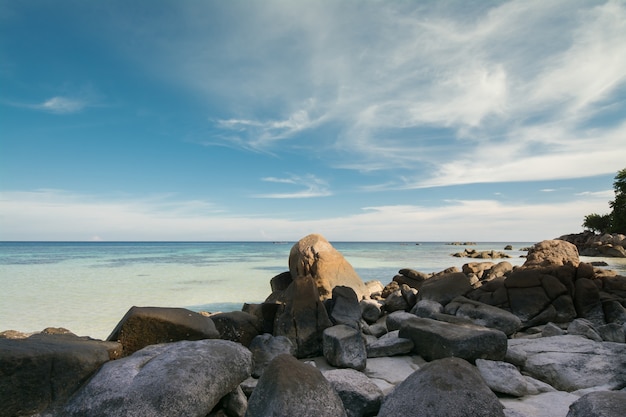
[270, 120]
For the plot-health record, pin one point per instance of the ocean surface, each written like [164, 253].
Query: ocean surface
[87, 287]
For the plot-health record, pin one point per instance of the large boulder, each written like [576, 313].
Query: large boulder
[503, 377]
[484, 315]
[359, 395]
[435, 340]
[302, 318]
[448, 387]
[344, 307]
[143, 326]
[237, 326]
[265, 348]
[570, 363]
[344, 347]
[184, 378]
[550, 253]
[599, 404]
[44, 370]
[389, 344]
[443, 288]
[314, 256]
[289, 387]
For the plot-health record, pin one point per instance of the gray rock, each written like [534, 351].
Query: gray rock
[303, 317]
[427, 309]
[344, 347]
[444, 388]
[182, 378]
[395, 319]
[599, 404]
[445, 287]
[392, 370]
[345, 307]
[612, 332]
[569, 362]
[370, 310]
[396, 302]
[389, 345]
[484, 315]
[359, 395]
[436, 340]
[237, 326]
[291, 388]
[44, 370]
[549, 404]
[503, 377]
[584, 328]
[235, 403]
[144, 326]
[552, 329]
[265, 348]
[614, 312]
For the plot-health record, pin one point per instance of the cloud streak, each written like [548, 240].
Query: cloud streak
[57, 215]
[310, 185]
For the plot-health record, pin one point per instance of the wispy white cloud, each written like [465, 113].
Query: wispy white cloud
[310, 187]
[62, 105]
[54, 215]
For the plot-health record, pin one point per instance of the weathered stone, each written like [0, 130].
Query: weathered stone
[143, 326]
[427, 308]
[314, 256]
[389, 345]
[614, 312]
[374, 288]
[359, 395]
[527, 303]
[395, 319]
[291, 388]
[552, 329]
[445, 287]
[587, 301]
[237, 326]
[44, 370]
[183, 378]
[497, 271]
[396, 302]
[265, 348]
[344, 347]
[612, 332]
[549, 404]
[569, 362]
[345, 307]
[392, 370]
[303, 318]
[370, 310]
[235, 403]
[503, 377]
[434, 340]
[583, 327]
[476, 268]
[599, 404]
[281, 281]
[444, 388]
[484, 315]
[409, 294]
[552, 253]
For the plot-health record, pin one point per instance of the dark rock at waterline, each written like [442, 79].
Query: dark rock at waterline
[449, 387]
[291, 388]
[143, 326]
[237, 326]
[44, 370]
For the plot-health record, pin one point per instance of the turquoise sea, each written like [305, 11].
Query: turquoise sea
[87, 287]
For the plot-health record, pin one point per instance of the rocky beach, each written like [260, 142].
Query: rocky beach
[546, 338]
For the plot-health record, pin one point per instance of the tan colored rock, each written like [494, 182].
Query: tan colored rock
[314, 256]
[552, 253]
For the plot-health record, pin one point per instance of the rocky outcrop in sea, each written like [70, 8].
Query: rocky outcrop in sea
[592, 244]
[543, 339]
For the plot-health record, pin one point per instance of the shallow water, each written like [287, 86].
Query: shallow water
[88, 287]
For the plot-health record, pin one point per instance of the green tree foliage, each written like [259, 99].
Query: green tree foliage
[614, 222]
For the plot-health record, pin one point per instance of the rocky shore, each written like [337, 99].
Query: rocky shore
[543, 339]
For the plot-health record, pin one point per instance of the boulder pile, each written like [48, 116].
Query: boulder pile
[543, 339]
[605, 245]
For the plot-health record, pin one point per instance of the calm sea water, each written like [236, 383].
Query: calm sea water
[87, 287]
